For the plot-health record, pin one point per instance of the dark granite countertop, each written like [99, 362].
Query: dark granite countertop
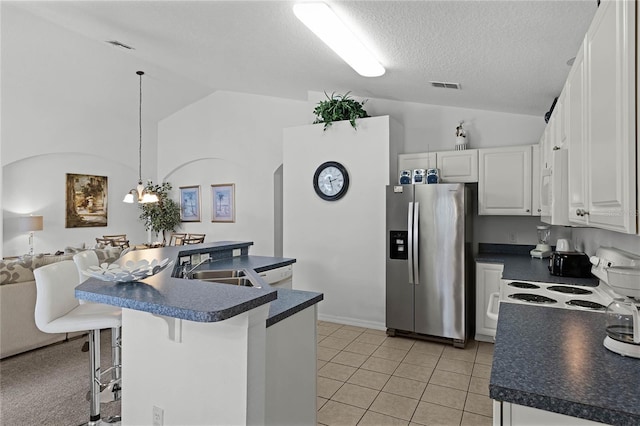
[554, 360]
[519, 265]
[196, 300]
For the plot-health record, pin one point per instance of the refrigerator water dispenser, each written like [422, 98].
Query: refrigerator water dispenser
[398, 241]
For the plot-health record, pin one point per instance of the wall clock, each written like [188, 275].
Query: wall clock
[331, 181]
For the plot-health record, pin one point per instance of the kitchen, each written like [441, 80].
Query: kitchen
[490, 129]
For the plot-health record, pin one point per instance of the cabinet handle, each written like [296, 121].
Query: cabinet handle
[539, 210]
[578, 212]
[556, 148]
[527, 210]
[585, 213]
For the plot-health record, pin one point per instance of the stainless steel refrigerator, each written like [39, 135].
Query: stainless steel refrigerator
[428, 250]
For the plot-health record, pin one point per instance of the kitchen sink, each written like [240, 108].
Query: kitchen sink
[208, 275]
[233, 277]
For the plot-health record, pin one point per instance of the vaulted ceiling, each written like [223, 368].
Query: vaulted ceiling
[508, 56]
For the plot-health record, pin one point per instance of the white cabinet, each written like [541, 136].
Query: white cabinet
[454, 166]
[577, 141]
[488, 276]
[458, 166]
[604, 193]
[508, 414]
[420, 160]
[505, 181]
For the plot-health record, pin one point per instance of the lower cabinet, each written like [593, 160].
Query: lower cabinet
[508, 414]
[488, 276]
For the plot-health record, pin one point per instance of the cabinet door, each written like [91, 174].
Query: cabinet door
[488, 276]
[504, 181]
[610, 117]
[422, 160]
[577, 142]
[458, 166]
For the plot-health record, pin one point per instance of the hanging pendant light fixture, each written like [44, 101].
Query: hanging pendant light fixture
[142, 195]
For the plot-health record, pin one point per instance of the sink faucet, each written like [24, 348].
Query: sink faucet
[186, 272]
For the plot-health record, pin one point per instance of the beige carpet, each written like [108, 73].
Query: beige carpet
[49, 385]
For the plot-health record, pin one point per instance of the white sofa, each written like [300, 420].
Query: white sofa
[18, 331]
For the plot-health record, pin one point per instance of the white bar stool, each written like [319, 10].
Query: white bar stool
[58, 311]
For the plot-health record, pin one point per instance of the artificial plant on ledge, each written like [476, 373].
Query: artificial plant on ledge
[163, 216]
[337, 108]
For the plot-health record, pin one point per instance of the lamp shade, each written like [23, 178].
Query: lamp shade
[30, 223]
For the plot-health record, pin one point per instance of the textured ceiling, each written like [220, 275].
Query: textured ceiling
[507, 55]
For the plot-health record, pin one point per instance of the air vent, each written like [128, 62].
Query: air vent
[116, 43]
[444, 85]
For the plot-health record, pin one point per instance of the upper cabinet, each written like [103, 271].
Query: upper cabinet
[505, 181]
[602, 119]
[454, 166]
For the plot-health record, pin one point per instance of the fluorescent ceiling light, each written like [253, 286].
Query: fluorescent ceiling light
[325, 24]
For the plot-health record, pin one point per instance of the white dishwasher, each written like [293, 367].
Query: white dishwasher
[279, 277]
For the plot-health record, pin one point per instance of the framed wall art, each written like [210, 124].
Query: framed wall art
[86, 201]
[190, 203]
[223, 199]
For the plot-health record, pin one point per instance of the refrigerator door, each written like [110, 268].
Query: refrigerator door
[440, 288]
[399, 287]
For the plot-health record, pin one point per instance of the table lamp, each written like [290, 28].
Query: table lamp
[30, 224]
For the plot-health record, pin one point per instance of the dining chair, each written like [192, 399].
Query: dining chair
[177, 239]
[194, 239]
[58, 311]
[119, 240]
[113, 242]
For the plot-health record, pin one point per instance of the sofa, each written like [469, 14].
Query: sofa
[18, 331]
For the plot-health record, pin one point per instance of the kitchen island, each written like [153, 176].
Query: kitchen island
[550, 367]
[199, 352]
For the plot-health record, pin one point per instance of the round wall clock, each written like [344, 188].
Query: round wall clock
[331, 181]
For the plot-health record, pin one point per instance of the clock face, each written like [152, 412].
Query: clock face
[331, 181]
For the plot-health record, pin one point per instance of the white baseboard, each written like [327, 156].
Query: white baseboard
[352, 321]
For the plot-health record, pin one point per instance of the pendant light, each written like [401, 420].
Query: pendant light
[139, 191]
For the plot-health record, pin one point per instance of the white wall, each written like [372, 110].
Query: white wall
[57, 117]
[340, 245]
[230, 138]
[36, 185]
[432, 127]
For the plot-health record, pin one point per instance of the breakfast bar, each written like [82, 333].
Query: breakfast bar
[202, 352]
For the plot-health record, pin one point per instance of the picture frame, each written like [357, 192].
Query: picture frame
[86, 201]
[223, 200]
[190, 205]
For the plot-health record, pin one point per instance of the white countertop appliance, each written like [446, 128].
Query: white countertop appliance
[621, 272]
[543, 249]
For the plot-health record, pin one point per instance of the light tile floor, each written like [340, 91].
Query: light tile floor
[367, 378]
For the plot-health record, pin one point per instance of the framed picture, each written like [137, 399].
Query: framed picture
[224, 198]
[86, 201]
[190, 203]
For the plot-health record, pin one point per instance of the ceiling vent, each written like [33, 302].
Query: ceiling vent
[116, 43]
[444, 85]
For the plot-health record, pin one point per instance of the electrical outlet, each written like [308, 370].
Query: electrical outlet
[158, 416]
[513, 237]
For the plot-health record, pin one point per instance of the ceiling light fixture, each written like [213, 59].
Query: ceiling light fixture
[139, 191]
[324, 23]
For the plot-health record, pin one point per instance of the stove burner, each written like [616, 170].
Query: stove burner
[533, 298]
[518, 284]
[587, 305]
[569, 290]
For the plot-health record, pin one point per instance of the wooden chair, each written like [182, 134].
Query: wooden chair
[177, 239]
[194, 239]
[114, 241]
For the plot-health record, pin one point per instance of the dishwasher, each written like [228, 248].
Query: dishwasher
[279, 277]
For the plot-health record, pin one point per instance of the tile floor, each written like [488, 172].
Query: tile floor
[367, 378]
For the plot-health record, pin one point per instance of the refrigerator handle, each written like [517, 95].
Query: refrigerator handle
[416, 242]
[410, 241]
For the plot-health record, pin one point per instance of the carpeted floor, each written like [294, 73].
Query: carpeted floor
[49, 385]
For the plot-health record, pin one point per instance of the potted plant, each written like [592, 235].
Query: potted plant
[337, 108]
[163, 216]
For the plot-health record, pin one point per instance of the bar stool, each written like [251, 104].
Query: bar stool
[58, 311]
[83, 260]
